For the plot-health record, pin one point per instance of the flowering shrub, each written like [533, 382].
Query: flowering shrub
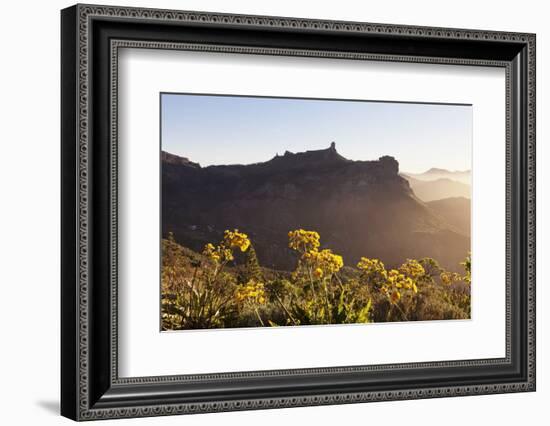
[319, 295]
[303, 241]
[236, 239]
[199, 293]
[211, 290]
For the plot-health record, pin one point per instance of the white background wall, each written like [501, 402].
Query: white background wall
[29, 211]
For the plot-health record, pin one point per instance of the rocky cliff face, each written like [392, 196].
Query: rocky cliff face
[360, 208]
[176, 160]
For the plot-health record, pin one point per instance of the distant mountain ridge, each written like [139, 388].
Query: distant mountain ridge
[463, 176]
[437, 184]
[431, 190]
[360, 208]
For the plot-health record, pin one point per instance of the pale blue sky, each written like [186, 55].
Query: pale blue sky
[211, 129]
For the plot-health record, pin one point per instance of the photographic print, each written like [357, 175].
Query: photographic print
[295, 211]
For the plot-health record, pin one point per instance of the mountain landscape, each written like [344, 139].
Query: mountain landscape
[360, 208]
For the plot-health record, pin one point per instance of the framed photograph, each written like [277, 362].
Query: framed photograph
[263, 212]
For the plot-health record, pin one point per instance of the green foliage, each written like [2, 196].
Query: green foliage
[210, 290]
[467, 264]
[252, 268]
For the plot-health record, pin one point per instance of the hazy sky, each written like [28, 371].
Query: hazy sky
[242, 130]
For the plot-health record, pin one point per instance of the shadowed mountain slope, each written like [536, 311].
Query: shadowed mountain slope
[455, 211]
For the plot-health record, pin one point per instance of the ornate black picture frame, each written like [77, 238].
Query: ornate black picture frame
[91, 36]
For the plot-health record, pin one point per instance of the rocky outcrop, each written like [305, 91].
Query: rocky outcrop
[176, 160]
[360, 208]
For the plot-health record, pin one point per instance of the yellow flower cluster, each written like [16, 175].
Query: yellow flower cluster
[412, 268]
[392, 282]
[398, 280]
[395, 296]
[223, 252]
[396, 283]
[218, 254]
[252, 292]
[327, 261]
[373, 268]
[448, 278]
[236, 239]
[303, 241]
[323, 262]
